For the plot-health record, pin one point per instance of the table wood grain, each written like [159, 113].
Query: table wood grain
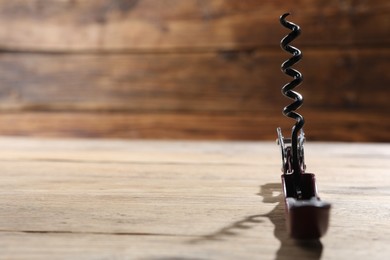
[98, 199]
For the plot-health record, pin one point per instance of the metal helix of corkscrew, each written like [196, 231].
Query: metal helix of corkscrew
[293, 157]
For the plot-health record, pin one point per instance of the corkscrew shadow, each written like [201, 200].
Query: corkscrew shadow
[231, 230]
[271, 193]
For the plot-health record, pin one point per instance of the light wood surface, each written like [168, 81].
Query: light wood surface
[79, 199]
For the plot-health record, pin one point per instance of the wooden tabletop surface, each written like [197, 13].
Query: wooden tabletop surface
[98, 199]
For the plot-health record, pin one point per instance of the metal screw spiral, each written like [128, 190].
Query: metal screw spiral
[287, 89]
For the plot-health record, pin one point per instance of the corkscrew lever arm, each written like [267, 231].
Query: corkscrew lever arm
[307, 216]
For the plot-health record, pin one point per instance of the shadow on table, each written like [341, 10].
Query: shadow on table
[289, 248]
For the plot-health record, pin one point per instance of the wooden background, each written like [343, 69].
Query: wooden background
[191, 69]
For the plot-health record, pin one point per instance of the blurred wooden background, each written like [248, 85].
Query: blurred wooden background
[191, 69]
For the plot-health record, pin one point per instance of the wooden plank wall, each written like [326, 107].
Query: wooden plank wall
[191, 69]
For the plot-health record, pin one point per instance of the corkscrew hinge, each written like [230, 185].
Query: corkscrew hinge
[307, 215]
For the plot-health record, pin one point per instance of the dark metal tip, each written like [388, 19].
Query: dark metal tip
[283, 16]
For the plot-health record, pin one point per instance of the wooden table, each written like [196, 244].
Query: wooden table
[92, 199]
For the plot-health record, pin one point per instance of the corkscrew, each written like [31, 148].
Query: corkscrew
[307, 216]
